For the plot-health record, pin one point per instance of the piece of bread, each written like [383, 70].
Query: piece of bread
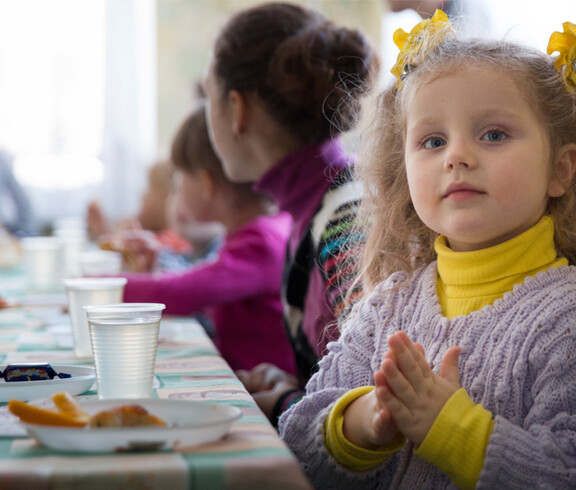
[125, 416]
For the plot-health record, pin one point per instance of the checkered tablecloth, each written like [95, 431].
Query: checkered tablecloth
[188, 367]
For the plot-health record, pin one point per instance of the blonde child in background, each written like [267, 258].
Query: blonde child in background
[152, 214]
[239, 290]
[459, 366]
[154, 205]
[205, 236]
[151, 227]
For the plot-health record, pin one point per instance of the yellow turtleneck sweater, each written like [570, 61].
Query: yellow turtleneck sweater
[468, 281]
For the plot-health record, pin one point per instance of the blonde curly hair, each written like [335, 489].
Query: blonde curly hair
[396, 238]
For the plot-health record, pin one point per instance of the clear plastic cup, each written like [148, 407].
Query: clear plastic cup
[42, 259]
[124, 341]
[89, 291]
[100, 263]
[73, 244]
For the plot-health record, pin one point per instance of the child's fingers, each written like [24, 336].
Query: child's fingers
[244, 377]
[379, 378]
[410, 359]
[390, 354]
[392, 403]
[384, 422]
[398, 384]
[420, 348]
[449, 366]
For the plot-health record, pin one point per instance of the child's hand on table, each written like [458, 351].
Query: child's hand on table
[267, 383]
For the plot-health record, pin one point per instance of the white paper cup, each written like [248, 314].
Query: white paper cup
[124, 341]
[89, 291]
[94, 263]
[42, 261]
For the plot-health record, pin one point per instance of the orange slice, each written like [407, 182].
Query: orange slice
[66, 404]
[36, 415]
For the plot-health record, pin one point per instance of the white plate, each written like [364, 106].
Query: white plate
[82, 379]
[190, 423]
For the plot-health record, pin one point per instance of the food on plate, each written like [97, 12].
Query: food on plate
[66, 403]
[132, 259]
[7, 304]
[125, 416]
[69, 413]
[115, 244]
[31, 414]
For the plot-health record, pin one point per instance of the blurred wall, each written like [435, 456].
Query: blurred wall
[186, 29]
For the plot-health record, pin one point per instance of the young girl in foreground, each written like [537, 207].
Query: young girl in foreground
[459, 366]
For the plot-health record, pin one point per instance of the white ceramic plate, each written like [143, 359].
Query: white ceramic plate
[83, 377]
[189, 423]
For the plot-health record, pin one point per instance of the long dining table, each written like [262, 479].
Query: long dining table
[188, 367]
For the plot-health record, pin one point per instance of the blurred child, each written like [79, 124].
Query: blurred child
[16, 213]
[240, 288]
[458, 367]
[284, 84]
[205, 236]
[151, 224]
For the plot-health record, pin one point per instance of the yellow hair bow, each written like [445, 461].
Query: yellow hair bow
[565, 44]
[414, 46]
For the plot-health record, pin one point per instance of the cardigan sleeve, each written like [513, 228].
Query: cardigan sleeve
[346, 366]
[456, 443]
[540, 451]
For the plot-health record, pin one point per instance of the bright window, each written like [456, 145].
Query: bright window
[77, 92]
[52, 89]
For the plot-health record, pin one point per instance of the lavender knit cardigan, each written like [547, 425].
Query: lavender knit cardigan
[518, 360]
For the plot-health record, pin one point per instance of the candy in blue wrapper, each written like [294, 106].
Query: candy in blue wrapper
[31, 372]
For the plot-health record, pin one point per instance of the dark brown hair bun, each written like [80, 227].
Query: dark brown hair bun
[309, 71]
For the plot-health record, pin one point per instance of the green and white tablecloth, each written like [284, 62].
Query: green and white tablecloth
[188, 367]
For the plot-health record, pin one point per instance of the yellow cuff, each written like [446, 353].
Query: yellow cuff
[457, 441]
[347, 454]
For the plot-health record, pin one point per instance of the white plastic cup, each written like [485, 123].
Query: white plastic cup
[73, 244]
[89, 291]
[42, 260]
[124, 340]
[94, 263]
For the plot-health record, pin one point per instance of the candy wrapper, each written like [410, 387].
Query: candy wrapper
[31, 372]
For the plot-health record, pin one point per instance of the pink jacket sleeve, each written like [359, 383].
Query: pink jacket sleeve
[249, 263]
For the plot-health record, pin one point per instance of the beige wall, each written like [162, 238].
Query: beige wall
[186, 29]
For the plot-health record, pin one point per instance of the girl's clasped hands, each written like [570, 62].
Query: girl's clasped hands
[409, 391]
[407, 398]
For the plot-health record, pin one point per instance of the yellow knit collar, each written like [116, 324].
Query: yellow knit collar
[529, 251]
[468, 281]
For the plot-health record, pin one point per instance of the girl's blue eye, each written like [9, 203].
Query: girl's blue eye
[494, 136]
[434, 143]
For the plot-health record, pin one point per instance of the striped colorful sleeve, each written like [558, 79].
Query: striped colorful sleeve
[338, 252]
